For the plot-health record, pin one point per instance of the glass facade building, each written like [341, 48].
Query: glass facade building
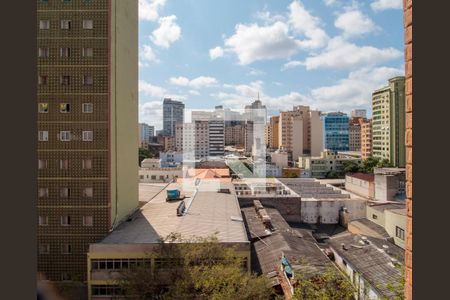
[336, 131]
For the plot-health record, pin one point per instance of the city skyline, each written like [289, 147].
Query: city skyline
[338, 72]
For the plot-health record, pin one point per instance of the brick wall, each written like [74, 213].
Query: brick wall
[407, 6]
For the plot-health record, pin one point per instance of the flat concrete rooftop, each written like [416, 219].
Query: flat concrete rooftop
[208, 211]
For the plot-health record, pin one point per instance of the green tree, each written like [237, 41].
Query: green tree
[332, 175]
[384, 164]
[398, 288]
[197, 268]
[369, 163]
[331, 285]
[351, 167]
[143, 154]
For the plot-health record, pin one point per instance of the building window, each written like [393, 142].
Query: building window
[88, 80]
[88, 221]
[64, 80]
[64, 136]
[43, 52]
[42, 80]
[64, 52]
[43, 220]
[88, 136]
[44, 248]
[88, 24]
[374, 216]
[66, 249]
[43, 192]
[64, 107]
[87, 108]
[65, 220]
[43, 136]
[87, 52]
[400, 233]
[42, 164]
[64, 192]
[88, 192]
[66, 24]
[64, 164]
[86, 164]
[44, 24]
[43, 108]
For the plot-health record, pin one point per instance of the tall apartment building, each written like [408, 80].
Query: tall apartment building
[192, 139]
[145, 133]
[336, 131]
[87, 110]
[255, 116]
[358, 113]
[235, 135]
[216, 137]
[354, 132]
[173, 113]
[274, 132]
[366, 139]
[300, 131]
[388, 122]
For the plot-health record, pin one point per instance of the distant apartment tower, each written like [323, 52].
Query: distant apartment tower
[274, 125]
[354, 132]
[173, 113]
[366, 139]
[358, 113]
[192, 139]
[388, 122]
[235, 135]
[300, 131]
[87, 128]
[336, 131]
[216, 136]
[255, 121]
[145, 133]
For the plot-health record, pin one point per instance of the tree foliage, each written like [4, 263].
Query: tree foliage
[198, 268]
[143, 154]
[331, 285]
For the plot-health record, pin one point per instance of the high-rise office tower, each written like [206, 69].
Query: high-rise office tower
[354, 132]
[145, 133]
[87, 106]
[388, 122]
[336, 131]
[173, 113]
[274, 132]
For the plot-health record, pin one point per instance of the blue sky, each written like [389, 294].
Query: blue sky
[329, 54]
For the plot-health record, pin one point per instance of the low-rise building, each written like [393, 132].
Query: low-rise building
[327, 162]
[361, 184]
[280, 158]
[372, 265]
[159, 174]
[206, 213]
[389, 184]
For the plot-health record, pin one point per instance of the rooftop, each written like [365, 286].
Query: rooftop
[371, 259]
[296, 244]
[208, 211]
[367, 228]
[363, 176]
[388, 205]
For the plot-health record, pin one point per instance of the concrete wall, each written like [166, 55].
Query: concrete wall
[279, 159]
[327, 211]
[393, 219]
[316, 134]
[168, 174]
[386, 187]
[375, 216]
[360, 187]
[124, 108]
[297, 138]
[289, 207]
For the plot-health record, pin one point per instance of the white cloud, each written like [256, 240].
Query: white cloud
[151, 113]
[196, 83]
[215, 53]
[353, 91]
[252, 42]
[329, 2]
[147, 56]
[167, 33]
[379, 5]
[355, 23]
[194, 92]
[255, 72]
[267, 17]
[149, 9]
[308, 25]
[341, 54]
[292, 64]
[151, 90]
